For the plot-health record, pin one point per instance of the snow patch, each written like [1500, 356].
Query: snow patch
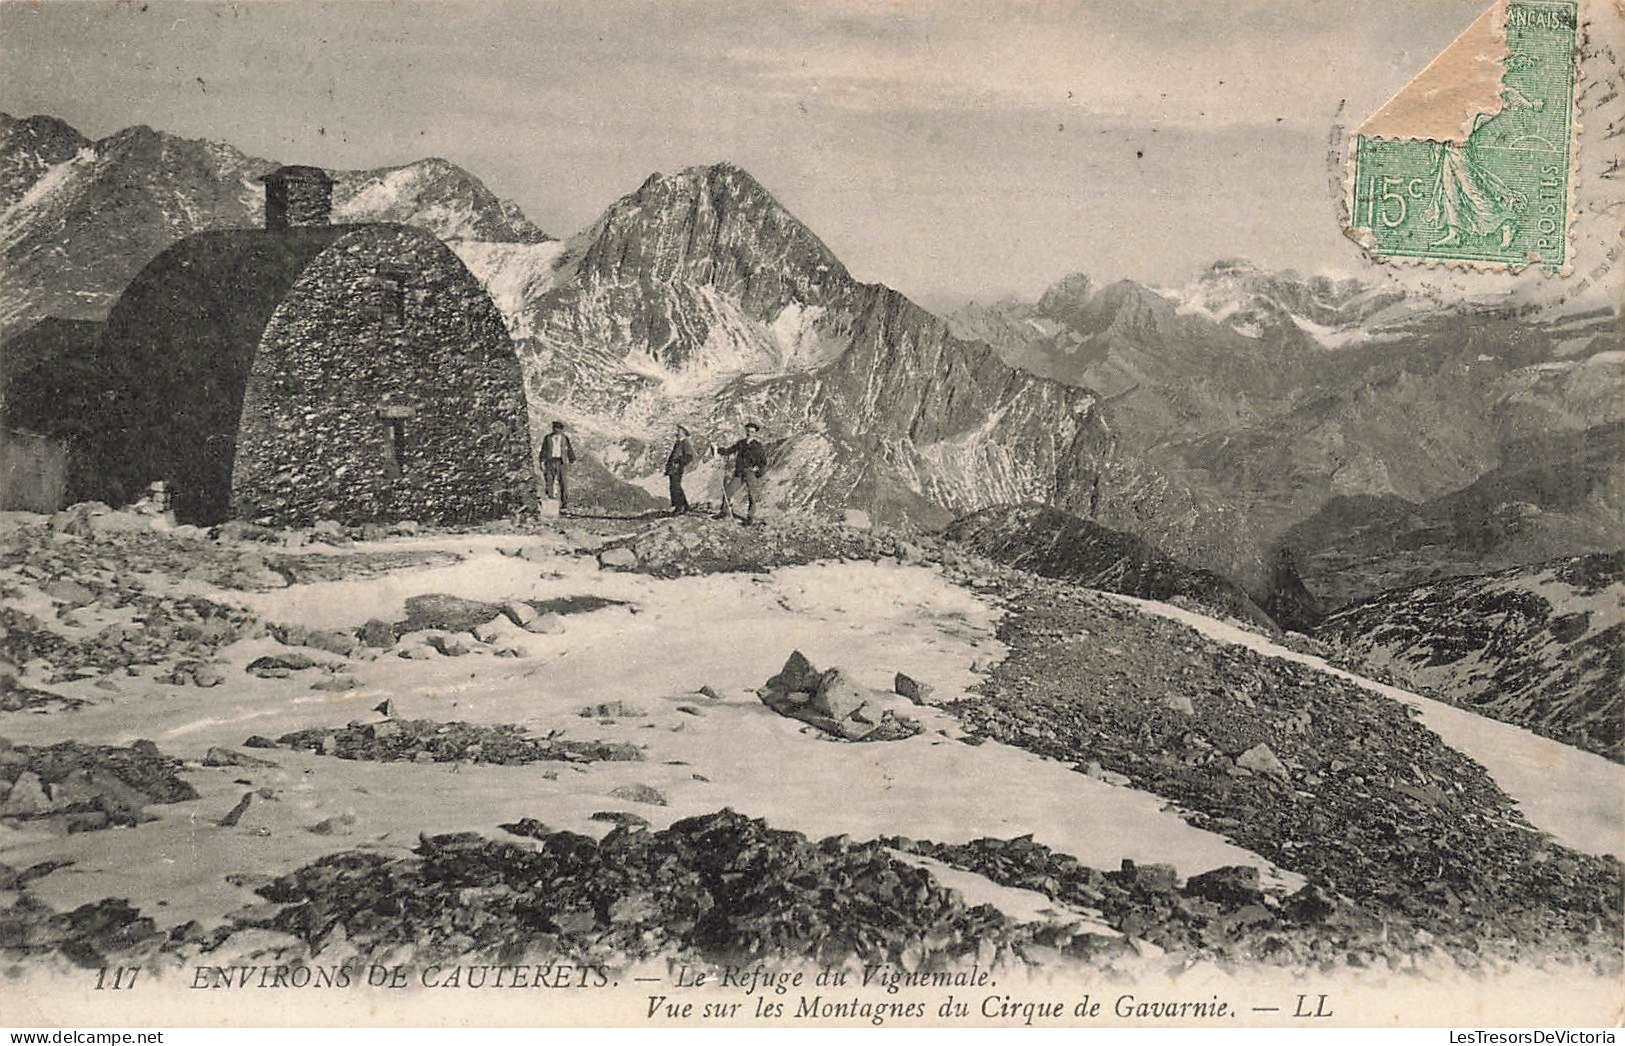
[16, 217]
[514, 274]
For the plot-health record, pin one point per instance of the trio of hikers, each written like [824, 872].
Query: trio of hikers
[749, 467]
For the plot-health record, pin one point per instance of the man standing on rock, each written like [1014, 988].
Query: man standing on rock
[750, 464]
[557, 454]
[677, 462]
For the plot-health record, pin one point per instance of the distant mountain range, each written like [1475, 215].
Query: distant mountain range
[1293, 399]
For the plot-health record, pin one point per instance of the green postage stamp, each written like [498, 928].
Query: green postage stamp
[1494, 192]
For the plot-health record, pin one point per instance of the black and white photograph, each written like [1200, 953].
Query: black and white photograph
[812, 514]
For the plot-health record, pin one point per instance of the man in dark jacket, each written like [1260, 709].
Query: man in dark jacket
[557, 453]
[677, 462]
[750, 465]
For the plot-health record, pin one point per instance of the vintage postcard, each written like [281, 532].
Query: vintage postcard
[812, 514]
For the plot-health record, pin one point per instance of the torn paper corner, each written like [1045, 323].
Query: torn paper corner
[1442, 102]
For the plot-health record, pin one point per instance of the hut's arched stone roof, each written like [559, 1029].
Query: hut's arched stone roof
[180, 342]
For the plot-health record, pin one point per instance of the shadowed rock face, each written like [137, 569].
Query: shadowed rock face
[1541, 646]
[1561, 493]
[1055, 544]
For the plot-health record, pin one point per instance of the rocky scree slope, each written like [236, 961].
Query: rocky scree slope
[1322, 777]
[1540, 646]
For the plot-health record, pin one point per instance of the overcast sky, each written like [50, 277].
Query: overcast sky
[950, 149]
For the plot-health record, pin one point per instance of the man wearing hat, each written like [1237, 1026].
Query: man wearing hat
[557, 452]
[677, 462]
[750, 463]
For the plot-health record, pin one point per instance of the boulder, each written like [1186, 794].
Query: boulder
[1311, 904]
[278, 666]
[66, 590]
[1100, 773]
[1152, 878]
[857, 519]
[487, 633]
[620, 817]
[639, 793]
[617, 558]
[911, 688]
[447, 613]
[798, 674]
[342, 643]
[838, 695]
[27, 797]
[1261, 760]
[548, 624]
[1234, 885]
[206, 675]
[218, 756]
[1179, 703]
[518, 611]
[378, 634]
[450, 646]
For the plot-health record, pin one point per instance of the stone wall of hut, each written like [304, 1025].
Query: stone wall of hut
[385, 387]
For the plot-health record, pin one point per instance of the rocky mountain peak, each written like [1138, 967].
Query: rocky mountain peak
[28, 148]
[1253, 298]
[435, 194]
[713, 226]
[1125, 308]
[1065, 295]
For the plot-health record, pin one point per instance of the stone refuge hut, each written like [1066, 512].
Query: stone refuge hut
[309, 371]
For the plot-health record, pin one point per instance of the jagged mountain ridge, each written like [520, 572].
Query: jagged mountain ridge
[28, 148]
[1540, 646]
[82, 217]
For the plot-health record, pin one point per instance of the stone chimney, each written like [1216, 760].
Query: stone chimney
[297, 195]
